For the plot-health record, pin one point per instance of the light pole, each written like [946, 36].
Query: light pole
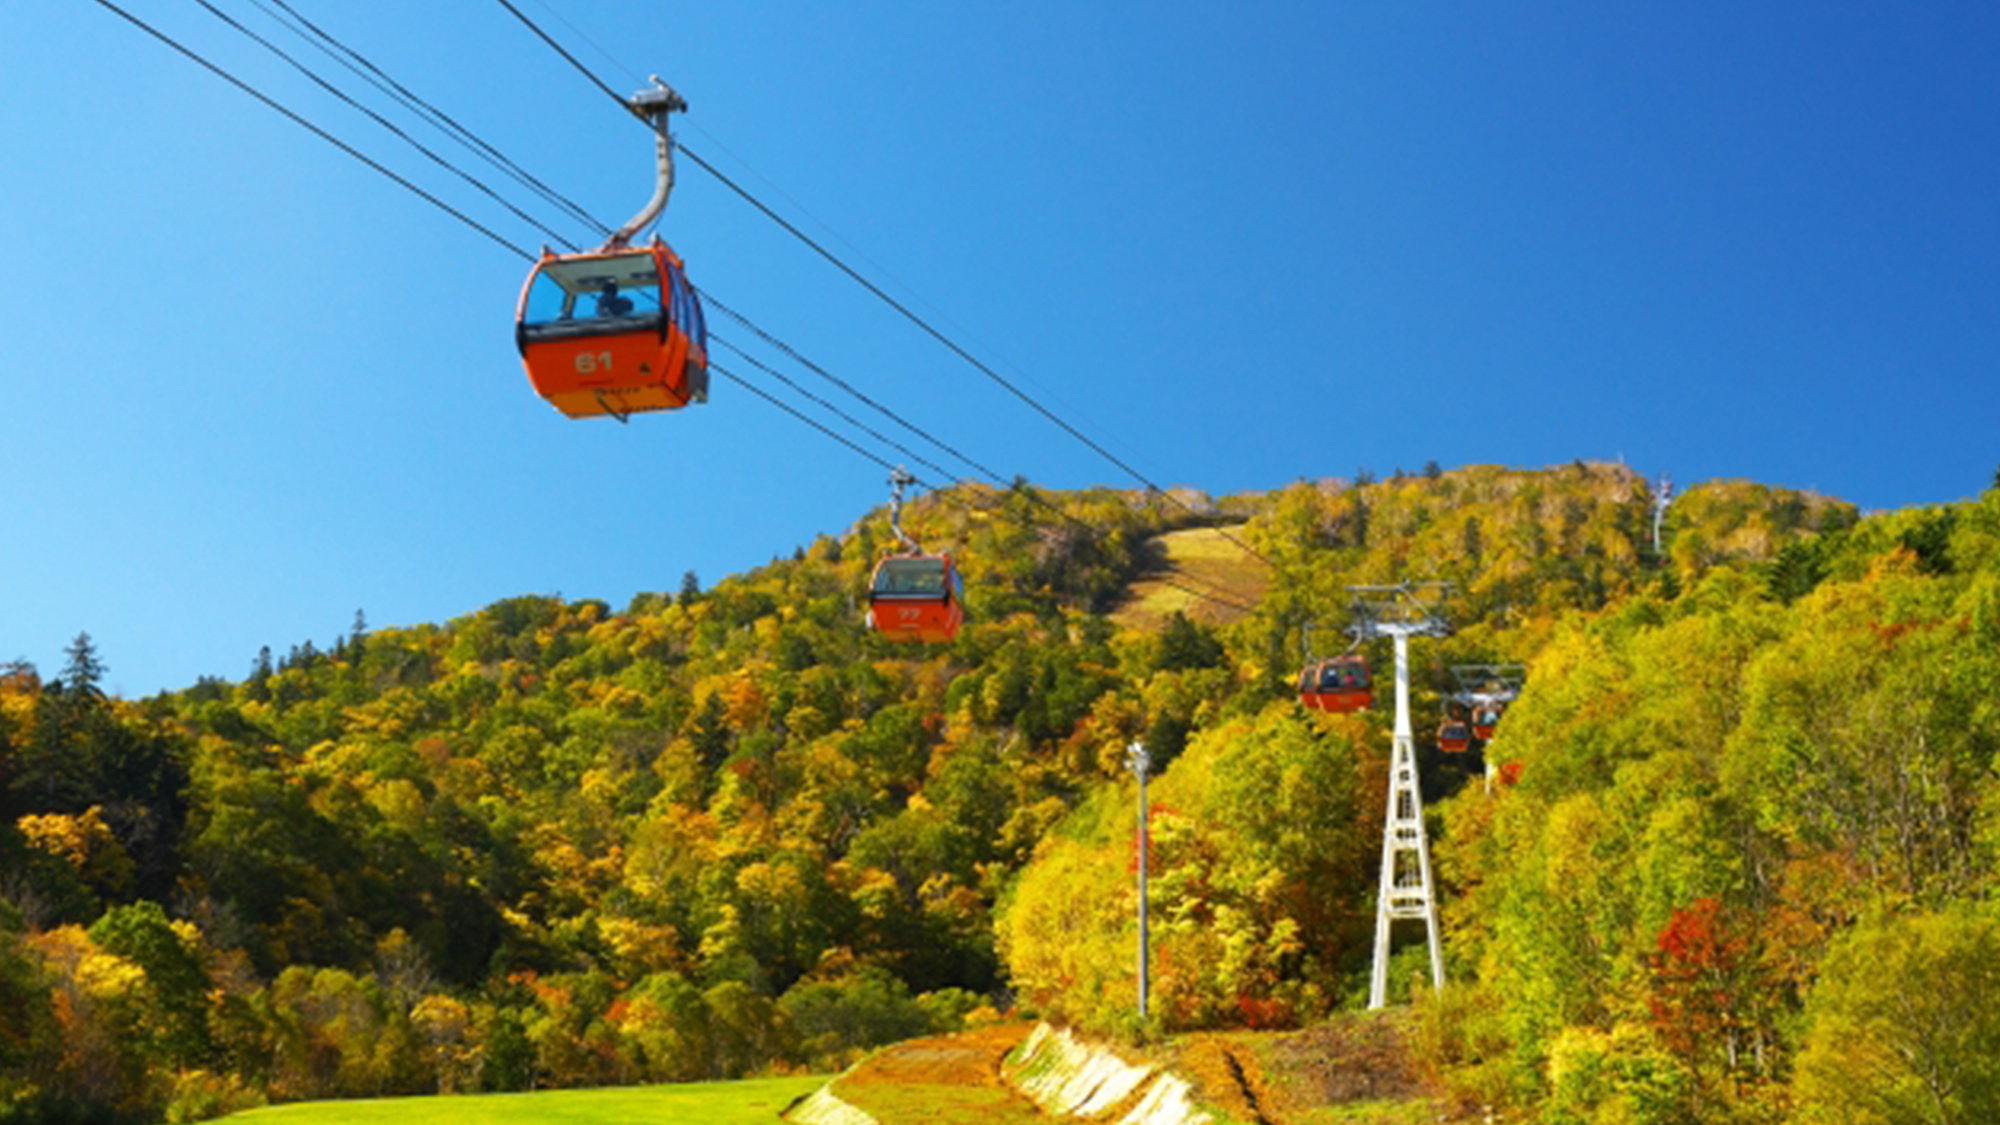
[1662, 497]
[1140, 762]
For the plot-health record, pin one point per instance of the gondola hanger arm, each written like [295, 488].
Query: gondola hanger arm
[899, 479]
[653, 106]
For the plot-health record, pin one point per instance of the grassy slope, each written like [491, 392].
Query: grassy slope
[696, 1103]
[1202, 558]
[945, 1080]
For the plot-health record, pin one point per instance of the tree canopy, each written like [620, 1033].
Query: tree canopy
[556, 843]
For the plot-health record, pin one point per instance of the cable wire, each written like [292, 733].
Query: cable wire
[322, 134]
[1028, 493]
[793, 354]
[350, 150]
[952, 345]
[837, 411]
[444, 122]
[1215, 594]
[940, 337]
[800, 415]
[581, 34]
[573, 60]
[1211, 594]
[384, 122]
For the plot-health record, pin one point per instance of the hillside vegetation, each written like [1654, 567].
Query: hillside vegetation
[721, 832]
[1200, 572]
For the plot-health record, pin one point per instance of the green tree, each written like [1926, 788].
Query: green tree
[83, 672]
[710, 734]
[1185, 645]
[1905, 1024]
[29, 1037]
[835, 1020]
[172, 960]
[1930, 540]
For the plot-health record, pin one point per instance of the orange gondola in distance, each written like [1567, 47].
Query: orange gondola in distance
[1341, 685]
[1486, 720]
[1454, 737]
[615, 332]
[916, 597]
[1309, 686]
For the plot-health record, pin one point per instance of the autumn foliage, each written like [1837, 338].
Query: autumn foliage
[724, 831]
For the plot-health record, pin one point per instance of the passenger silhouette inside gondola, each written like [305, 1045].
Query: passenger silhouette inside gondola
[609, 303]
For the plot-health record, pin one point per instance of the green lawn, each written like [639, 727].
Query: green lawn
[697, 1103]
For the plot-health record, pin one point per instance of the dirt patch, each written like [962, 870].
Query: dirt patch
[1349, 1060]
[1354, 1068]
[1226, 1075]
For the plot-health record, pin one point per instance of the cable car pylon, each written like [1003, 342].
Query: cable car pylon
[1406, 890]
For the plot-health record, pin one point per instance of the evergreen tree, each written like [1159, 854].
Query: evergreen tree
[1930, 540]
[1186, 645]
[1166, 737]
[83, 674]
[7, 768]
[256, 685]
[690, 588]
[709, 732]
[1797, 570]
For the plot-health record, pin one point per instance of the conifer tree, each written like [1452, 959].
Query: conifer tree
[709, 732]
[84, 672]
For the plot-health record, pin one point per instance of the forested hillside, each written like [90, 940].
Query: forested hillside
[558, 843]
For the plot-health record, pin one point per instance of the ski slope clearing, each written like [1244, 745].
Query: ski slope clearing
[1203, 560]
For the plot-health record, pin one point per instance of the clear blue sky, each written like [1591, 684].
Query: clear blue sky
[249, 386]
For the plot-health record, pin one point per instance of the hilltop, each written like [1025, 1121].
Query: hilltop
[713, 832]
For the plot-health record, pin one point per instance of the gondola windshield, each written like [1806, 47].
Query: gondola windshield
[592, 296]
[923, 577]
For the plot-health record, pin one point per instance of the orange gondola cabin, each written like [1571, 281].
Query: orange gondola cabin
[916, 597]
[1339, 685]
[1454, 736]
[614, 332]
[1485, 721]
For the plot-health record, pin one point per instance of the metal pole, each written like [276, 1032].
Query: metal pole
[1662, 497]
[898, 479]
[1140, 762]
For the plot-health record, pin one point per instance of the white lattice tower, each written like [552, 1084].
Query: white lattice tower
[1405, 890]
